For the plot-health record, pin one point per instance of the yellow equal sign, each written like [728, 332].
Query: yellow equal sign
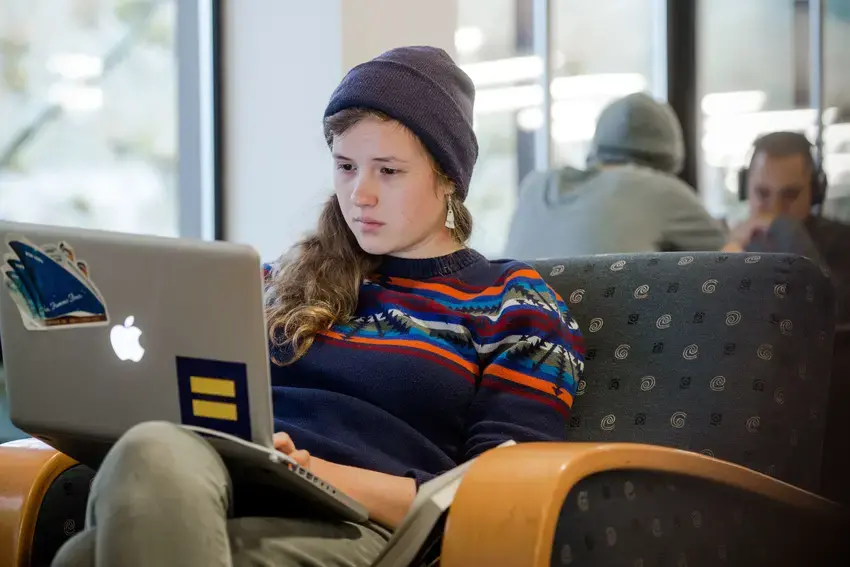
[218, 387]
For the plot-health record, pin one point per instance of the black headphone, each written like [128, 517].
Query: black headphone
[787, 143]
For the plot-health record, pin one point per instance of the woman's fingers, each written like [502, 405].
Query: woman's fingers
[283, 443]
[301, 457]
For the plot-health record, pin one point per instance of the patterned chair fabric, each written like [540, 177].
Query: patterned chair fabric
[648, 519]
[726, 355]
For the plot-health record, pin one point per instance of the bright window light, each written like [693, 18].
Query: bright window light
[530, 119]
[504, 71]
[508, 99]
[468, 40]
[600, 85]
[737, 102]
[76, 98]
[75, 66]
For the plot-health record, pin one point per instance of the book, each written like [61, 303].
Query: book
[423, 523]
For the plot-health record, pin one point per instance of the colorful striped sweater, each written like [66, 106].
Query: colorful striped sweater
[445, 358]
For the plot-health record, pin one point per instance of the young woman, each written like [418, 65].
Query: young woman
[398, 353]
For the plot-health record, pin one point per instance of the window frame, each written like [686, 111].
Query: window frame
[200, 109]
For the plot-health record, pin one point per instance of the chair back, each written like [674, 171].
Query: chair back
[728, 355]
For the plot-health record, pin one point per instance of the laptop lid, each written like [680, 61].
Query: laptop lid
[102, 331]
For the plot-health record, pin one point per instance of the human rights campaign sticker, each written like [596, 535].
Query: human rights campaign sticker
[214, 395]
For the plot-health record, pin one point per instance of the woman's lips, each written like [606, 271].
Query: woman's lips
[369, 225]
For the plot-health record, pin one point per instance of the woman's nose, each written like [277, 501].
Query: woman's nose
[365, 192]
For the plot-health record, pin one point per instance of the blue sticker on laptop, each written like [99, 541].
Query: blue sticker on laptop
[214, 394]
[51, 287]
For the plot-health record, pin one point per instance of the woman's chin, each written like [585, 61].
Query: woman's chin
[372, 245]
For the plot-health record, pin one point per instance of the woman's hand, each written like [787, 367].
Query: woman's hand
[283, 443]
[387, 497]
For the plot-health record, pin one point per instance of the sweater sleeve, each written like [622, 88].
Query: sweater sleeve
[532, 358]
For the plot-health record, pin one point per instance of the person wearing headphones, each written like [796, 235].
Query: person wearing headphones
[785, 187]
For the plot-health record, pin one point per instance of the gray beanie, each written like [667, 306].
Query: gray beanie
[425, 90]
[639, 129]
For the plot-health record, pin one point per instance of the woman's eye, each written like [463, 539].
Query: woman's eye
[388, 171]
[345, 167]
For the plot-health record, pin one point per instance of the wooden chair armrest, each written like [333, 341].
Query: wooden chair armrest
[507, 508]
[28, 468]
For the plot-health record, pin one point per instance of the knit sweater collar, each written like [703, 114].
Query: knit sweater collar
[422, 268]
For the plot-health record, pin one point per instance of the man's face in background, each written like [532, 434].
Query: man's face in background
[780, 185]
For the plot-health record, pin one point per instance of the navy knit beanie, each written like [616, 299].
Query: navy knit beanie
[422, 88]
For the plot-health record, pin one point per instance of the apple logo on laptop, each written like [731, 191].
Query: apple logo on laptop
[125, 340]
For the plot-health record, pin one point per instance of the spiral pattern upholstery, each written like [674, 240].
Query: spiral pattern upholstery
[728, 355]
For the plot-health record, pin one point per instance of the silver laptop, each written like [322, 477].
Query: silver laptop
[102, 331]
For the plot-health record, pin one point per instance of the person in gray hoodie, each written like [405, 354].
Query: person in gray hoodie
[627, 200]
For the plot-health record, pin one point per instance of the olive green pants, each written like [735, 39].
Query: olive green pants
[162, 498]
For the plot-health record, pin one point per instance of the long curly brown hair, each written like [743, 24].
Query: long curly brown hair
[316, 283]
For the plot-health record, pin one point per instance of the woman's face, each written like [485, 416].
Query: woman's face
[388, 191]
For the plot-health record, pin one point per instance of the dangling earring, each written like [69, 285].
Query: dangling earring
[450, 215]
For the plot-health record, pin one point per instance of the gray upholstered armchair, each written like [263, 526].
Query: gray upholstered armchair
[707, 374]
[726, 355]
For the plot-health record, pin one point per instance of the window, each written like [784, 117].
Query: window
[591, 69]
[754, 76]
[494, 44]
[89, 113]
[504, 69]
[836, 40]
